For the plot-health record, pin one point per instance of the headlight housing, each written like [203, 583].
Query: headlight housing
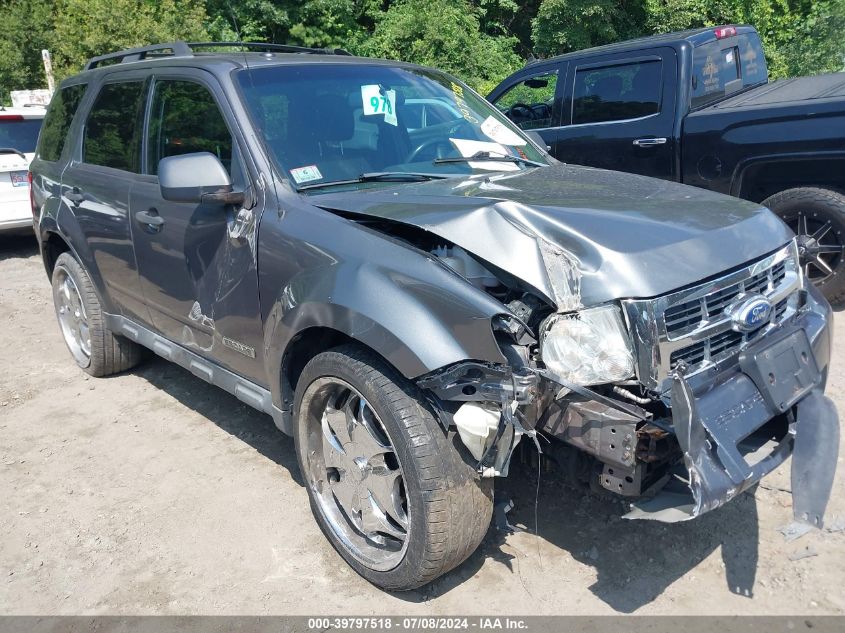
[589, 347]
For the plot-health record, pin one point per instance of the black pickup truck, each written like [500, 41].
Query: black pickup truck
[696, 107]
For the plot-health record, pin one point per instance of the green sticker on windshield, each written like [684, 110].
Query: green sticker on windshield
[376, 100]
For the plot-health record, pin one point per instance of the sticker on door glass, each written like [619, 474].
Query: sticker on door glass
[306, 174]
[498, 132]
[378, 101]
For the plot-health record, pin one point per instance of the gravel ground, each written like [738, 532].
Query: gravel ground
[153, 493]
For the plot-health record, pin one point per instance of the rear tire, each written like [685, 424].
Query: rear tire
[97, 350]
[818, 218]
[441, 509]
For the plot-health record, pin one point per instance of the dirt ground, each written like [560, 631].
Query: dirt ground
[153, 493]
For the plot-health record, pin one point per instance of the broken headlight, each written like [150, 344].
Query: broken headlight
[588, 347]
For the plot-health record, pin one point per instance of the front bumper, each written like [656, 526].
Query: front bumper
[715, 421]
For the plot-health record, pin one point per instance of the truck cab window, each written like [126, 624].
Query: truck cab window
[530, 102]
[617, 93]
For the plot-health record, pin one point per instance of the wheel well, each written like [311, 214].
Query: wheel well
[766, 179]
[52, 247]
[305, 346]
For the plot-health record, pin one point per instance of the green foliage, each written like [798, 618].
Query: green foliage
[481, 41]
[27, 29]
[85, 28]
[445, 34]
[569, 25]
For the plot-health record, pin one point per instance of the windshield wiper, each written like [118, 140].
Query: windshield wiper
[482, 157]
[378, 176]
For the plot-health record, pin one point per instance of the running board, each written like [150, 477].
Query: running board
[244, 390]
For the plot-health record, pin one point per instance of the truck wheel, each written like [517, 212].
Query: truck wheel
[818, 218]
[96, 349]
[386, 484]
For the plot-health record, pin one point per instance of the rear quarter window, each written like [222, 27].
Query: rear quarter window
[56, 125]
[617, 93]
[725, 66]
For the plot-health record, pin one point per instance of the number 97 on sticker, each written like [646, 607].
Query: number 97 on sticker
[378, 102]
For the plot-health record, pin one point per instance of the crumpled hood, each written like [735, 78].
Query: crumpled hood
[578, 235]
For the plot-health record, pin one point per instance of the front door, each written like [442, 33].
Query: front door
[620, 114]
[197, 261]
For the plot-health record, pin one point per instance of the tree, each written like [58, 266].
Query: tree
[27, 29]
[568, 25]
[445, 34]
[85, 28]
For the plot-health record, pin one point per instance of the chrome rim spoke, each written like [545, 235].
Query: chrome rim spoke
[374, 521]
[73, 321]
[356, 476]
[385, 493]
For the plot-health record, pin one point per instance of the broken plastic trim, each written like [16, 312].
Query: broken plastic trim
[717, 470]
[484, 382]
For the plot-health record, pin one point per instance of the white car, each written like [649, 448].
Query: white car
[19, 129]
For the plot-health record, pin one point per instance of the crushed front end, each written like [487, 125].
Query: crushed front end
[679, 402]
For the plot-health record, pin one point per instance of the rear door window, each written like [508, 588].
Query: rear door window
[617, 93]
[530, 103]
[111, 137]
[57, 122]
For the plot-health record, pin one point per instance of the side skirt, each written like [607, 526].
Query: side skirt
[244, 390]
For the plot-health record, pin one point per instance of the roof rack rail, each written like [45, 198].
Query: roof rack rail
[178, 49]
[184, 49]
[262, 46]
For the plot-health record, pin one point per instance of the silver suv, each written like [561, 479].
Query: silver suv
[412, 302]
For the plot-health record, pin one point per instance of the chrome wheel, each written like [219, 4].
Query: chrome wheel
[73, 320]
[820, 246]
[354, 474]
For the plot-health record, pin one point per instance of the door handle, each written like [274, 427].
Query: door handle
[650, 142]
[75, 196]
[150, 219]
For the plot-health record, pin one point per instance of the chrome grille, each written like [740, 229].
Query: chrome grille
[692, 325]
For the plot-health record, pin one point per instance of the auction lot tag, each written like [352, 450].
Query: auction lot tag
[376, 102]
[306, 174]
[499, 133]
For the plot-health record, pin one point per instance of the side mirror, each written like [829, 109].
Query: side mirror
[538, 140]
[199, 178]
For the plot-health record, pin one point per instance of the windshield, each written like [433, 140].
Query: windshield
[725, 66]
[325, 123]
[19, 133]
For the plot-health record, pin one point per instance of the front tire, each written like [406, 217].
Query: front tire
[386, 483]
[97, 350]
[818, 218]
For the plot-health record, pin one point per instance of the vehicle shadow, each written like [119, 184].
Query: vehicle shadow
[635, 561]
[18, 245]
[230, 414]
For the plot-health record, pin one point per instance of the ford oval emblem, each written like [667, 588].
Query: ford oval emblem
[751, 313]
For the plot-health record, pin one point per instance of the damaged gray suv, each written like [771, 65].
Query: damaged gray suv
[375, 256]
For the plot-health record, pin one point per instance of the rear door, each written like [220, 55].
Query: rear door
[197, 261]
[619, 113]
[96, 183]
